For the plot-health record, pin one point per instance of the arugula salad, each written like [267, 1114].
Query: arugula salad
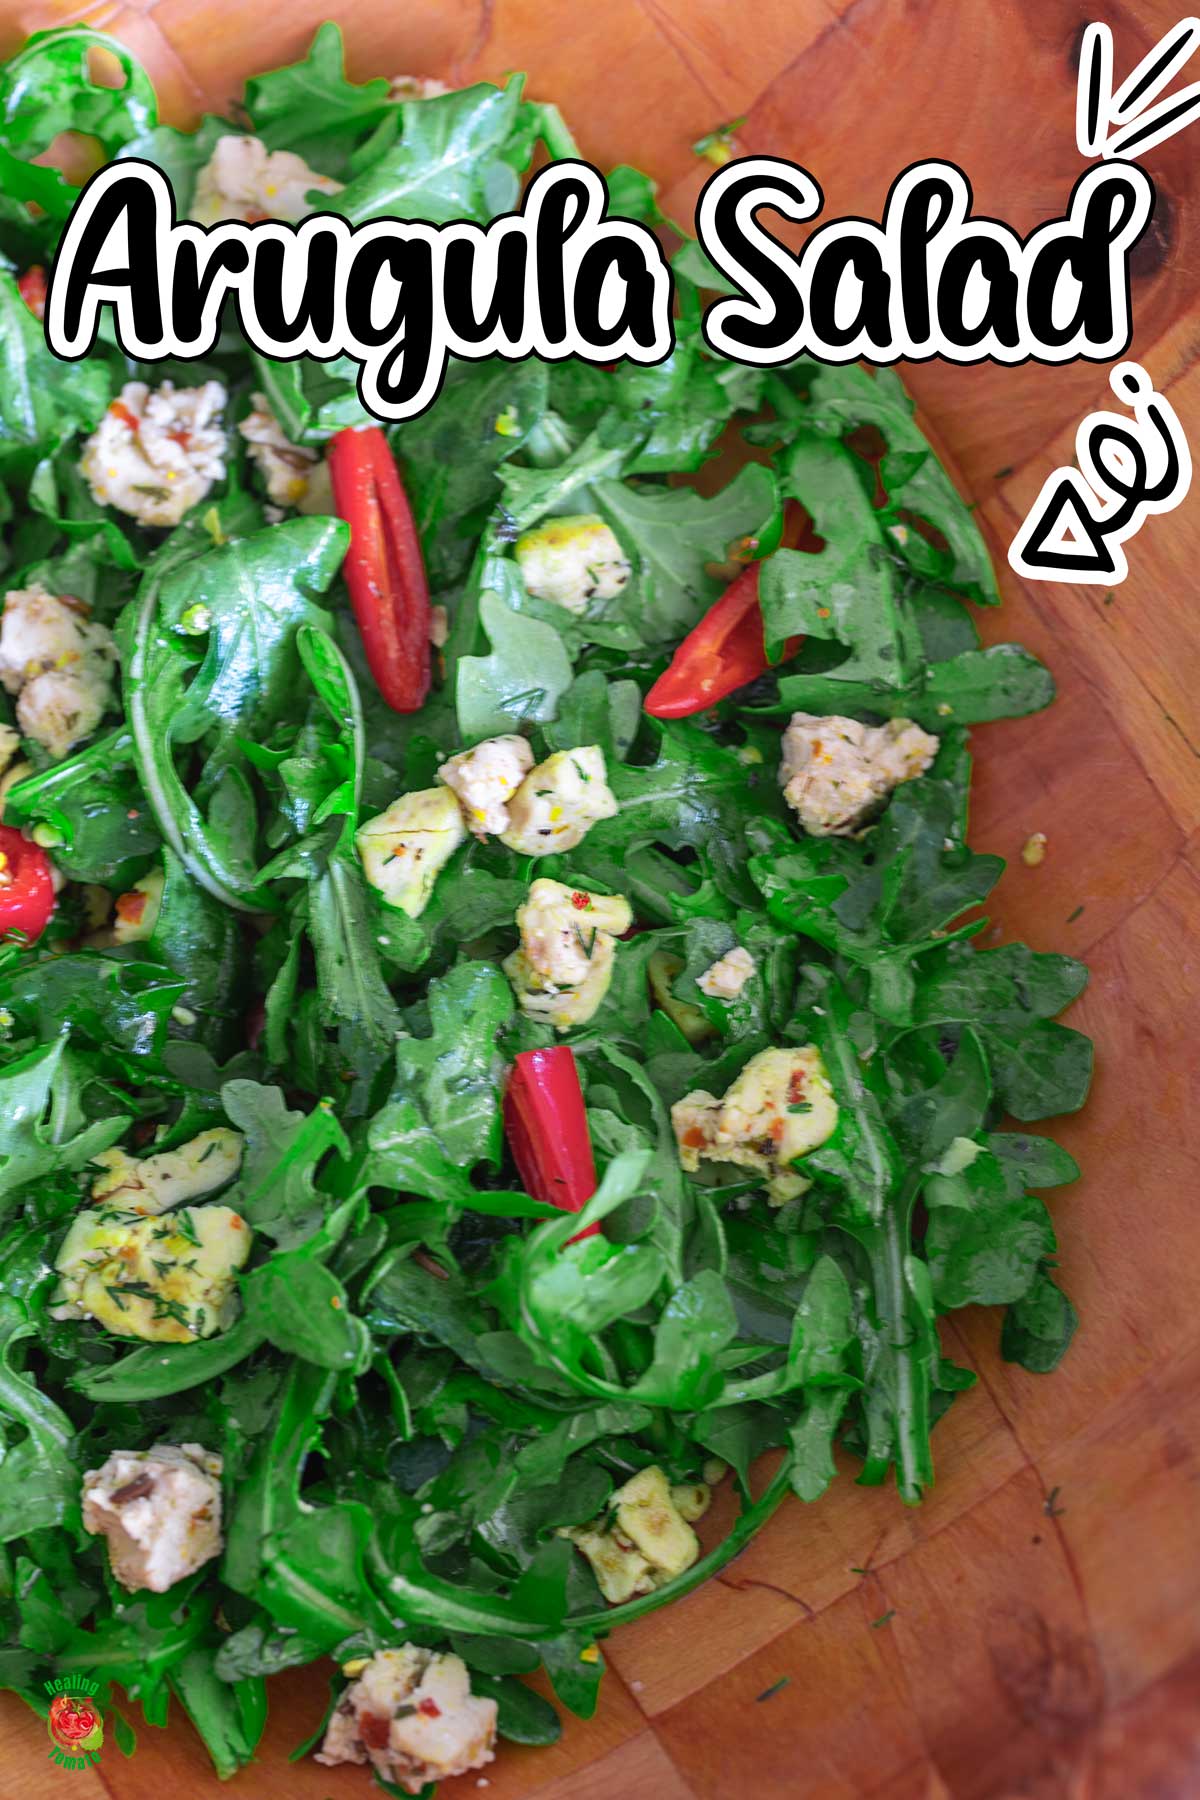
[493, 1037]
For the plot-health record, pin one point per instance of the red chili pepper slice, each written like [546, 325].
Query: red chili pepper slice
[546, 1124]
[725, 650]
[32, 288]
[26, 887]
[722, 653]
[384, 568]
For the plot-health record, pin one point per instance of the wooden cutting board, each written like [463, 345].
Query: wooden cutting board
[1034, 1629]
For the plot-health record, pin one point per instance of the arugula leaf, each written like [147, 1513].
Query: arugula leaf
[44, 1127]
[284, 1150]
[229, 1715]
[443, 1114]
[95, 804]
[39, 1482]
[674, 533]
[43, 401]
[1039, 1327]
[258, 590]
[47, 88]
[310, 108]
[913, 479]
[453, 453]
[449, 162]
[526, 672]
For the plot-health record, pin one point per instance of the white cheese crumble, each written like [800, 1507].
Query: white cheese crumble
[558, 803]
[572, 562]
[725, 979]
[160, 1510]
[156, 1184]
[837, 772]
[780, 1107]
[167, 1278]
[294, 475]
[411, 1715]
[564, 965]
[649, 1539]
[417, 87]
[155, 454]
[59, 662]
[485, 779]
[403, 849]
[244, 180]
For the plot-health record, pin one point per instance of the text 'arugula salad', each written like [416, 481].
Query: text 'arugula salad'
[490, 1044]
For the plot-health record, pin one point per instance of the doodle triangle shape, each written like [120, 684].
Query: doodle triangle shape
[1064, 536]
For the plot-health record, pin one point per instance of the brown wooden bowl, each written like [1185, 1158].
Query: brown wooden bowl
[1042, 1632]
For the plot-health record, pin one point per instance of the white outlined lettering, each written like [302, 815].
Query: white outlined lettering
[920, 271]
[398, 296]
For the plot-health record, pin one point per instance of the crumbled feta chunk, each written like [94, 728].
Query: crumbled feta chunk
[417, 87]
[649, 1540]
[725, 979]
[160, 1510]
[564, 965]
[135, 914]
[572, 562]
[159, 1183]
[780, 1107]
[243, 180]
[485, 779]
[294, 475]
[403, 849]
[156, 454]
[59, 662]
[411, 1714]
[558, 803]
[167, 1278]
[836, 772]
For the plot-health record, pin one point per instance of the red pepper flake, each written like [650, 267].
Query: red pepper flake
[130, 907]
[582, 901]
[119, 410]
[182, 438]
[777, 1130]
[429, 1708]
[693, 1138]
[32, 288]
[796, 1085]
[375, 1731]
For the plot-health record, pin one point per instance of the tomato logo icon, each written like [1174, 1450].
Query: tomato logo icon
[74, 1723]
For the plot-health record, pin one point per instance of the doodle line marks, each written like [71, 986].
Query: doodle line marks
[1124, 123]
[1082, 516]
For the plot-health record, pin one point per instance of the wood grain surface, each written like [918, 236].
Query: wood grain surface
[1042, 1634]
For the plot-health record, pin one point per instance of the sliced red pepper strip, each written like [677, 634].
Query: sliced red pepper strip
[26, 887]
[384, 568]
[725, 650]
[545, 1121]
[32, 288]
[720, 654]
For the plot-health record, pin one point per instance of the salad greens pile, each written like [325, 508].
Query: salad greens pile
[426, 1378]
